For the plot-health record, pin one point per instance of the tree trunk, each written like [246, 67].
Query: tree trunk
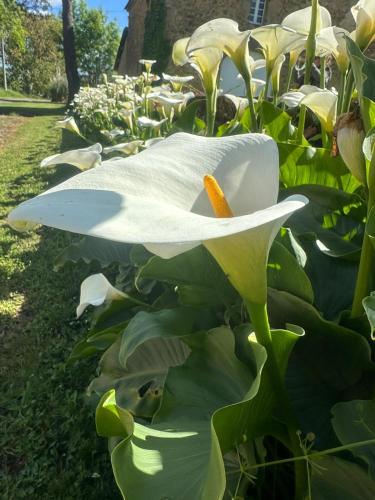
[69, 49]
[4, 63]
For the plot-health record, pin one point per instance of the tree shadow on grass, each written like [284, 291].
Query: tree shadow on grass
[31, 109]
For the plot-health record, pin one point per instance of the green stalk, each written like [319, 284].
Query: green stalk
[211, 103]
[311, 41]
[323, 73]
[341, 93]
[310, 55]
[288, 80]
[259, 319]
[301, 124]
[289, 77]
[315, 454]
[367, 262]
[250, 97]
[348, 92]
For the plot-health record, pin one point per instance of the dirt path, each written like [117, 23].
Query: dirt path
[8, 128]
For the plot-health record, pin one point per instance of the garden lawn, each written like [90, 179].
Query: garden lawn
[48, 443]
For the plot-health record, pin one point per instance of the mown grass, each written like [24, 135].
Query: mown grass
[14, 93]
[49, 448]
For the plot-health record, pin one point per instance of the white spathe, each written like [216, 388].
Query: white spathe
[146, 122]
[129, 148]
[293, 98]
[364, 16]
[205, 61]
[81, 158]
[277, 40]
[95, 290]
[332, 40]
[68, 123]
[300, 20]
[157, 198]
[324, 104]
[223, 34]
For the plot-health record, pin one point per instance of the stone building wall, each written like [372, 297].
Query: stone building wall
[183, 17]
[134, 43]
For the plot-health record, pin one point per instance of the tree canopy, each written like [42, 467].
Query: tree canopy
[97, 41]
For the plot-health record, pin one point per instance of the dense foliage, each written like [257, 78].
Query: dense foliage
[31, 69]
[237, 353]
[97, 41]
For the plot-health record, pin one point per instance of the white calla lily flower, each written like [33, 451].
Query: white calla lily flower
[332, 40]
[277, 40]
[83, 159]
[157, 198]
[300, 20]
[129, 148]
[324, 105]
[147, 63]
[113, 134]
[95, 290]
[364, 16]
[70, 124]
[177, 82]
[223, 34]
[293, 98]
[205, 61]
[145, 122]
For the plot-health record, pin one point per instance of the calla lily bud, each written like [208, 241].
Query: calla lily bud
[350, 136]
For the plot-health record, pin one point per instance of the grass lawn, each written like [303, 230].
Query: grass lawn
[16, 94]
[48, 443]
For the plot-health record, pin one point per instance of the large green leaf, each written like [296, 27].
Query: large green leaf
[199, 279]
[337, 479]
[284, 273]
[308, 165]
[137, 364]
[186, 120]
[325, 273]
[90, 249]
[364, 70]
[354, 421]
[210, 403]
[328, 363]
[167, 323]
[333, 217]
[277, 123]
[139, 383]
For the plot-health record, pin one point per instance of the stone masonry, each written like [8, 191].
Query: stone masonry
[183, 17]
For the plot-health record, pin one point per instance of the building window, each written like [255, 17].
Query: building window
[257, 11]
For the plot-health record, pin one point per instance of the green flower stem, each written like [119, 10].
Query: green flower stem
[311, 42]
[211, 104]
[367, 262]
[259, 319]
[250, 97]
[288, 81]
[289, 77]
[316, 454]
[310, 55]
[301, 124]
[341, 93]
[348, 92]
[323, 73]
[366, 269]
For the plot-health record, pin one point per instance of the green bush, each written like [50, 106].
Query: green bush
[58, 89]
